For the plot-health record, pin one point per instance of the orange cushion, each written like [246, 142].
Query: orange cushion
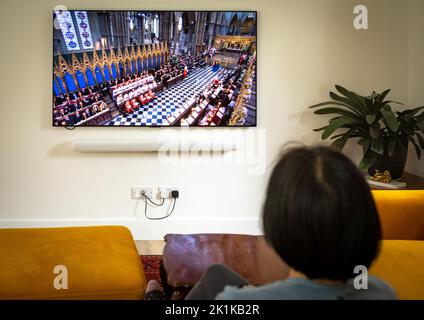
[400, 264]
[401, 213]
[102, 263]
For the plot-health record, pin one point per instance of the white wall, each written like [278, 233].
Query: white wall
[305, 47]
[416, 74]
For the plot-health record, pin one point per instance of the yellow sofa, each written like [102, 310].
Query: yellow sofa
[401, 260]
[401, 264]
[401, 213]
[101, 262]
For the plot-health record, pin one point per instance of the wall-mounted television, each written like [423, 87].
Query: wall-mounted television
[154, 68]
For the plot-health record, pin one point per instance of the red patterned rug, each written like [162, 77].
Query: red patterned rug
[151, 265]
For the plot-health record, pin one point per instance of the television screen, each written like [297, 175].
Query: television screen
[154, 68]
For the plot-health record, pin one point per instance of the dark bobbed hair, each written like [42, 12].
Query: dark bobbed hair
[319, 214]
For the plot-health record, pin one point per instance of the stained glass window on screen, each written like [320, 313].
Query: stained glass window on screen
[84, 29]
[68, 29]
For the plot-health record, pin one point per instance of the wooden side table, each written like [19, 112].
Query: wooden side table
[413, 182]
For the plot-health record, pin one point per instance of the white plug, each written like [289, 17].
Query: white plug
[164, 192]
[139, 192]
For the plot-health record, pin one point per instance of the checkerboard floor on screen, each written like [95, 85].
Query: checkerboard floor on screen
[167, 101]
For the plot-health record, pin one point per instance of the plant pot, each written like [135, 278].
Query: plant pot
[394, 164]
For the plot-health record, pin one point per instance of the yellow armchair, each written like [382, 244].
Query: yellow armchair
[101, 263]
[401, 260]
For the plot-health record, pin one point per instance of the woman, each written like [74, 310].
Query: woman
[320, 217]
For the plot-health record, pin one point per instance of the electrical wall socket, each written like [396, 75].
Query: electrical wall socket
[137, 192]
[165, 192]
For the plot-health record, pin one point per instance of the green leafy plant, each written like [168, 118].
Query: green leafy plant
[371, 120]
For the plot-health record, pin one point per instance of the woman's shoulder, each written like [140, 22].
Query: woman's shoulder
[373, 289]
[290, 289]
[301, 289]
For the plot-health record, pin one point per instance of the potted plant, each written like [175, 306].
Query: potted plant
[383, 132]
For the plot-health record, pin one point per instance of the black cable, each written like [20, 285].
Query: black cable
[173, 206]
[161, 218]
[154, 203]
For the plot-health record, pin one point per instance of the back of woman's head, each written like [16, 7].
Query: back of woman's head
[319, 214]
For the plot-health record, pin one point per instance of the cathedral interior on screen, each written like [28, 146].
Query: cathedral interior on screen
[154, 68]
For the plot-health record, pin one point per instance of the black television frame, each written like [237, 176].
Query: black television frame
[155, 126]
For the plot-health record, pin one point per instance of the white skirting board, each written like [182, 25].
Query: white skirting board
[143, 229]
[151, 145]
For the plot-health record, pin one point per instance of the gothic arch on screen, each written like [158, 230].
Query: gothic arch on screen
[78, 70]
